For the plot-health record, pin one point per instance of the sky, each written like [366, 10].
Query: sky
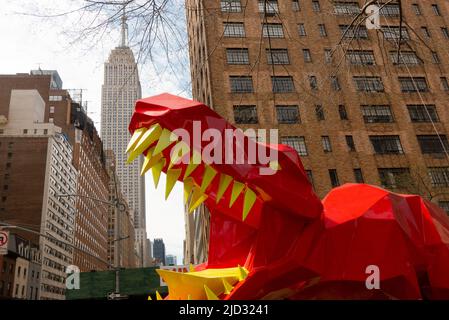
[27, 42]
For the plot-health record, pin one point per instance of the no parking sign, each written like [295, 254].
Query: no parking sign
[4, 236]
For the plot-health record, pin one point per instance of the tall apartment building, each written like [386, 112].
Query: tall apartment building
[121, 236]
[36, 165]
[159, 251]
[121, 88]
[358, 104]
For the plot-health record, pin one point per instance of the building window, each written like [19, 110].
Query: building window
[326, 144]
[413, 84]
[350, 143]
[25, 131]
[231, 6]
[393, 178]
[307, 56]
[392, 33]
[234, 30]
[245, 114]
[313, 83]
[322, 29]
[241, 84]
[302, 30]
[425, 32]
[295, 6]
[386, 144]
[435, 58]
[351, 32]
[433, 144]
[334, 178]
[316, 6]
[310, 177]
[439, 176]
[269, 6]
[377, 114]
[444, 83]
[327, 55]
[346, 8]
[360, 57]
[358, 176]
[416, 9]
[445, 32]
[390, 10]
[237, 56]
[444, 204]
[369, 84]
[297, 143]
[288, 114]
[273, 30]
[319, 112]
[405, 58]
[422, 113]
[436, 9]
[277, 56]
[335, 84]
[52, 109]
[342, 112]
[282, 84]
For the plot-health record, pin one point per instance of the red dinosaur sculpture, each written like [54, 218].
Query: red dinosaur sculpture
[270, 235]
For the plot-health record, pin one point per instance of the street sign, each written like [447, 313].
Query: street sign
[4, 236]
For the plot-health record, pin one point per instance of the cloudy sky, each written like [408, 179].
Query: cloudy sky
[28, 42]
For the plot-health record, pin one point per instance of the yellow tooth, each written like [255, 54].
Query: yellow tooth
[149, 298]
[172, 177]
[250, 199]
[197, 198]
[228, 287]
[188, 185]
[243, 273]
[237, 188]
[156, 171]
[208, 176]
[167, 138]
[193, 164]
[210, 294]
[136, 136]
[225, 181]
[150, 161]
[158, 296]
[191, 268]
[178, 152]
[150, 136]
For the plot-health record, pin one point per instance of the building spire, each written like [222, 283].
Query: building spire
[124, 42]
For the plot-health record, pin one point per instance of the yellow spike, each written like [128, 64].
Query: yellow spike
[191, 268]
[136, 136]
[237, 188]
[243, 273]
[167, 138]
[149, 298]
[210, 294]
[156, 171]
[208, 176]
[150, 136]
[188, 186]
[177, 153]
[150, 161]
[225, 181]
[158, 296]
[228, 287]
[197, 198]
[250, 199]
[190, 168]
[172, 177]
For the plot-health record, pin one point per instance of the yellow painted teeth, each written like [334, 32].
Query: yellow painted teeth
[150, 161]
[165, 140]
[197, 198]
[147, 138]
[172, 177]
[248, 202]
[156, 171]
[210, 294]
[209, 175]
[136, 136]
[237, 189]
[223, 185]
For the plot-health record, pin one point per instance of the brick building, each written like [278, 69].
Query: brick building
[358, 104]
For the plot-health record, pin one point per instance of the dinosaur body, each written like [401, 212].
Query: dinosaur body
[270, 235]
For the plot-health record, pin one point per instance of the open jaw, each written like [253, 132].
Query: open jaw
[191, 143]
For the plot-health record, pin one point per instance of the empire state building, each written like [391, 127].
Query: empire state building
[121, 88]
